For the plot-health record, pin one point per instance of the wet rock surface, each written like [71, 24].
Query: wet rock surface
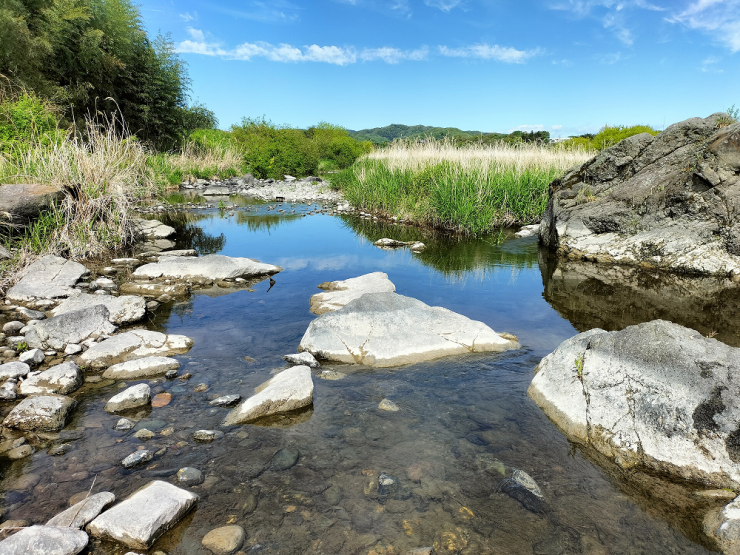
[656, 395]
[130, 398]
[225, 540]
[290, 390]
[387, 329]
[46, 413]
[144, 516]
[81, 513]
[662, 202]
[339, 293]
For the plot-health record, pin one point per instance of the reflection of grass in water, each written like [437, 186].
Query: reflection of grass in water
[452, 255]
[260, 222]
[190, 235]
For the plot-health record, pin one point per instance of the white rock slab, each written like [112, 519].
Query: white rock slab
[32, 357]
[13, 370]
[147, 514]
[44, 540]
[50, 277]
[305, 359]
[124, 309]
[153, 229]
[61, 379]
[339, 293]
[47, 413]
[71, 327]
[130, 398]
[147, 367]
[212, 266]
[133, 345]
[80, 514]
[386, 329]
[291, 389]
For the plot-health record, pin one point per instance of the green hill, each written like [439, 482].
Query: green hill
[398, 131]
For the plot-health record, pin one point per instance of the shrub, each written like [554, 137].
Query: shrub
[606, 137]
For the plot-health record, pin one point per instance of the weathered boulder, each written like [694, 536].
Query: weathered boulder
[130, 398]
[147, 367]
[144, 516]
[124, 309]
[339, 293]
[60, 379]
[46, 413]
[132, 345]
[386, 329]
[24, 202]
[13, 370]
[155, 289]
[152, 229]
[50, 277]
[210, 267]
[723, 526]
[70, 327]
[305, 359]
[656, 395]
[291, 389]
[667, 202]
[80, 514]
[32, 357]
[44, 540]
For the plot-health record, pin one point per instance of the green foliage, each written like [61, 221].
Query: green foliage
[389, 133]
[21, 347]
[579, 366]
[27, 119]
[91, 55]
[733, 112]
[606, 137]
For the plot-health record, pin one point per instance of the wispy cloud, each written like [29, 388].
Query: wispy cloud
[287, 53]
[444, 5]
[505, 54]
[263, 11]
[537, 127]
[720, 18]
[187, 16]
[709, 65]
[610, 59]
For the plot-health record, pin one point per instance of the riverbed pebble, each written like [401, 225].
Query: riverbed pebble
[32, 357]
[225, 400]
[225, 540]
[137, 458]
[132, 397]
[189, 476]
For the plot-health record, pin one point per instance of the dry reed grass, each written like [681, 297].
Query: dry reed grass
[196, 159]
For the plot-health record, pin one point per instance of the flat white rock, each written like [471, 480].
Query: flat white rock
[153, 229]
[306, 359]
[339, 293]
[212, 266]
[61, 379]
[291, 389]
[147, 514]
[132, 345]
[79, 514]
[130, 398]
[13, 370]
[44, 540]
[70, 327]
[124, 309]
[50, 277]
[386, 329]
[47, 413]
[147, 367]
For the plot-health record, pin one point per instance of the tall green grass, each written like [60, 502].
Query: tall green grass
[471, 190]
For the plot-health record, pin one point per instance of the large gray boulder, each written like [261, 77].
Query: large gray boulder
[147, 514]
[290, 390]
[124, 309]
[667, 202]
[386, 329]
[50, 277]
[133, 345]
[210, 267]
[24, 202]
[70, 327]
[61, 379]
[44, 540]
[47, 413]
[657, 395]
[80, 514]
[148, 367]
[339, 293]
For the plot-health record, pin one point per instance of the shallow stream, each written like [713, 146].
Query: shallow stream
[454, 413]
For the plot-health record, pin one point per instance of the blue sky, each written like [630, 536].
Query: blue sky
[565, 66]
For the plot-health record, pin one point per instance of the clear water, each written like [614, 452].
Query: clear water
[454, 412]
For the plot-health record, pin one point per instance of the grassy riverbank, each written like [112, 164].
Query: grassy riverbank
[471, 189]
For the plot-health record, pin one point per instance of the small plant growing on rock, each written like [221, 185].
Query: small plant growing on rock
[579, 366]
[21, 347]
[732, 117]
[584, 195]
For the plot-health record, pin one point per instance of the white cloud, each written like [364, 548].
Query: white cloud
[719, 18]
[444, 5]
[556, 127]
[610, 59]
[505, 54]
[708, 65]
[187, 16]
[538, 127]
[394, 55]
[287, 53]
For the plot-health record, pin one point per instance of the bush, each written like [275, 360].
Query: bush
[606, 137]
[25, 119]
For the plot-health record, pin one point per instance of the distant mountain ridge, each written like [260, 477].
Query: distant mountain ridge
[399, 131]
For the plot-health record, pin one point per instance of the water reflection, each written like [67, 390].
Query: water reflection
[610, 297]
